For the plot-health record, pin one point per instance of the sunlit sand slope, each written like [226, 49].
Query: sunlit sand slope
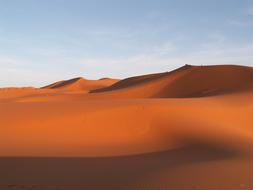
[185, 82]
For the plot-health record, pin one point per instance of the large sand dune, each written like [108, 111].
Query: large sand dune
[186, 129]
[185, 82]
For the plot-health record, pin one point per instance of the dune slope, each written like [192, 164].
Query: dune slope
[185, 82]
[81, 84]
[56, 90]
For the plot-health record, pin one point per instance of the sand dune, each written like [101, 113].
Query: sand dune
[57, 91]
[186, 129]
[81, 84]
[185, 82]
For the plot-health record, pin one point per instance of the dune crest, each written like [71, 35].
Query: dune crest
[185, 82]
[80, 84]
[61, 88]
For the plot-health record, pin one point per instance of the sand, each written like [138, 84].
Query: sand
[186, 129]
[81, 84]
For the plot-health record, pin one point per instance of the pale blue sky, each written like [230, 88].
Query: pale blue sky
[42, 41]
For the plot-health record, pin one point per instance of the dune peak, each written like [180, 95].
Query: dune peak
[80, 84]
[185, 82]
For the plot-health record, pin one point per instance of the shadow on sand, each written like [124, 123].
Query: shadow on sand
[112, 173]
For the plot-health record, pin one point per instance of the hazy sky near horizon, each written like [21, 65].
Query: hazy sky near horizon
[42, 41]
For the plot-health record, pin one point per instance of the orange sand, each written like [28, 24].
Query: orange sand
[167, 131]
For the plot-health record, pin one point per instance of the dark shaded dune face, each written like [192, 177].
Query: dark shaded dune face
[185, 82]
[63, 83]
[123, 172]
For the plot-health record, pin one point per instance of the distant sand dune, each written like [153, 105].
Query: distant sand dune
[55, 90]
[81, 84]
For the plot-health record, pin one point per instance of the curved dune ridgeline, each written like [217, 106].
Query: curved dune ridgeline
[81, 84]
[185, 82]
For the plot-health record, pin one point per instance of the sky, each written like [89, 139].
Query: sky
[43, 41]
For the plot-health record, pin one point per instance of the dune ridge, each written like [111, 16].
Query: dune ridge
[185, 82]
[80, 84]
[76, 85]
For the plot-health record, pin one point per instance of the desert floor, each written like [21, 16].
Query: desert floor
[191, 128]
